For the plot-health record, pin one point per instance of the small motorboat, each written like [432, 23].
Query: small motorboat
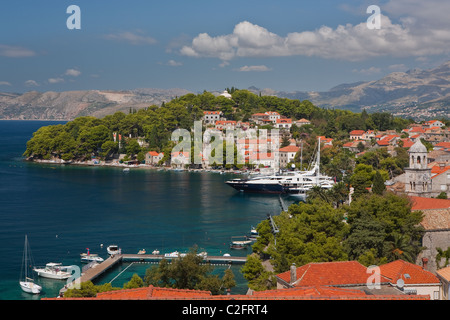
[141, 251]
[155, 252]
[54, 270]
[89, 257]
[240, 244]
[113, 249]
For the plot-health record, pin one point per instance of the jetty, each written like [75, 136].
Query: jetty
[100, 268]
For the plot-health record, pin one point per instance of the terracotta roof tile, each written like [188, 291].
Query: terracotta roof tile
[410, 273]
[330, 274]
[422, 203]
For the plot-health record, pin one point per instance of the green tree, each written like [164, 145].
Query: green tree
[135, 282]
[258, 278]
[378, 186]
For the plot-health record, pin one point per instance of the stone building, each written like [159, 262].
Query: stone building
[418, 175]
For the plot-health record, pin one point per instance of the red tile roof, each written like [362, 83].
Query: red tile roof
[443, 144]
[408, 272]
[289, 149]
[153, 153]
[329, 274]
[357, 132]
[421, 203]
[301, 293]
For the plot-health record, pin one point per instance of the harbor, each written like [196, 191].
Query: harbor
[95, 270]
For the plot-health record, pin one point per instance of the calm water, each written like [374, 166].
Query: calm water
[66, 209]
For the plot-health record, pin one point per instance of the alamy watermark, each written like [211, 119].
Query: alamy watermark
[235, 146]
[374, 21]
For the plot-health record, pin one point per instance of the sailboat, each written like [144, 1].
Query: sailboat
[27, 282]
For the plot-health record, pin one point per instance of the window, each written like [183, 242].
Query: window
[436, 295]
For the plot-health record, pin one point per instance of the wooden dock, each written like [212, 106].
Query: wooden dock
[101, 268]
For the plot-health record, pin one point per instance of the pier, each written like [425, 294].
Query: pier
[98, 269]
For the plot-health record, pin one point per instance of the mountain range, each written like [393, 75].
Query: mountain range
[417, 94]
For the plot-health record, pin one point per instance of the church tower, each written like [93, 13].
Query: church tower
[418, 175]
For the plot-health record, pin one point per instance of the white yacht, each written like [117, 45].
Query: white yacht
[300, 184]
[54, 270]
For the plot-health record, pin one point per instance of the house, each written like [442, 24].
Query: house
[226, 125]
[302, 122]
[412, 279]
[153, 157]
[397, 278]
[269, 117]
[445, 146]
[433, 123]
[388, 140]
[283, 124]
[348, 274]
[180, 159]
[444, 276]
[436, 223]
[357, 135]
[210, 117]
[326, 141]
[287, 154]
[265, 159]
[352, 145]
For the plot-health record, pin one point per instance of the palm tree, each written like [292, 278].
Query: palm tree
[400, 247]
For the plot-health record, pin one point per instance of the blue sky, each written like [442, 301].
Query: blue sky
[209, 45]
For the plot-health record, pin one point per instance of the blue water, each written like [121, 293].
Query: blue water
[66, 209]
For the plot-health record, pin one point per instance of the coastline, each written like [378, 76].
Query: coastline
[124, 166]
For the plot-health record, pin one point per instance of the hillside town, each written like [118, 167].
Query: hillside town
[414, 162]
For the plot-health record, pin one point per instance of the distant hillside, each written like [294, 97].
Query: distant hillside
[71, 104]
[419, 94]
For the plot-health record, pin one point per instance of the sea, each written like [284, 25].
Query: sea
[64, 210]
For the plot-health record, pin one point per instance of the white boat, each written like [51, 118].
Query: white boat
[174, 254]
[27, 282]
[89, 257]
[299, 185]
[141, 251]
[240, 244]
[155, 252]
[113, 249]
[54, 270]
[253, 234]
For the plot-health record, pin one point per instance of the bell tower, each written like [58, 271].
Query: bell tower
[418, 175]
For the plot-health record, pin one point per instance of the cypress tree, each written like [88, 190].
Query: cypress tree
[378, 186]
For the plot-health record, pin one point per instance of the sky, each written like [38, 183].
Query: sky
[285, 45]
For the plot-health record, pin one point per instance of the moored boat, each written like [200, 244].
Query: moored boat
[53, 270]
[113, 249]
[240, 244]
[89, 257]
[27, 283]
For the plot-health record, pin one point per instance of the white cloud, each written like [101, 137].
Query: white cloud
[345, 42]
[136, 38]
[15, 52]
[368, 71]
[72, 72]
[31, 83]
[55, 80]
[174, 63]
[5, 83]
[261, 68]
[398, 67]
